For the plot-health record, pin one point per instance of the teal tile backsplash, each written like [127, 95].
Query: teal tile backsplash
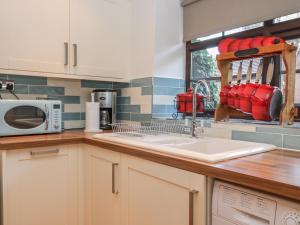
[139, 100]
[96, 84]
[46, 90]
[30, 80]
[72, 93]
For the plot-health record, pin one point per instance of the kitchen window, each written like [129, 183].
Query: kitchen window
[244, 28]
[201, 52]
[287, 18]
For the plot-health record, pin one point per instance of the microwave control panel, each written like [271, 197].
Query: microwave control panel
[56, 119]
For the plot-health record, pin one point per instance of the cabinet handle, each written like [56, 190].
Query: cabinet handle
[113, 190]
[66, 53]
[191, 206]
[75, 54]
[45, 152]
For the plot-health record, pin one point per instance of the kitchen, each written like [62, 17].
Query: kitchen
[152, 112]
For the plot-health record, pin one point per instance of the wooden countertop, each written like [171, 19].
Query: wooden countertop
[277, 172]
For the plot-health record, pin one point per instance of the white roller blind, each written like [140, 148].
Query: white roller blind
[205, 17]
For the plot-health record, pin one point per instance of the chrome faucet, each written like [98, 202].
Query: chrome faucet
[195, 91]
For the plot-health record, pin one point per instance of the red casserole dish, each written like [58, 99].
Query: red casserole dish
[224, 44]
[185, 102]
[268, 41]
[234, 45]
[245, 43]
[257, 42]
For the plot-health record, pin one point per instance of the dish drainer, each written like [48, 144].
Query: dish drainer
[142, 129]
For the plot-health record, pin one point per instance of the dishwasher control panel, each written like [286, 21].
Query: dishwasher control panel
[234, 205]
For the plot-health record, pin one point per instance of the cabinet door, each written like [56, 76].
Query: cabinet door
[40, 186]
[100, 38]
[161, 195]
[101, 186]
[33, 33]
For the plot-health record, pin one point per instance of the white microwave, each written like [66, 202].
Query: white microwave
[23, 117]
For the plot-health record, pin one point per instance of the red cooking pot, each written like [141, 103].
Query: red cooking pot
[224, 44]
[234, 45]
[245, 97]
[266, 103]
[237, 96]
[224, 94]
[245, 43]
[257, 42]
[232, 94]
[185, 102]
[250, 88]
[268, 41]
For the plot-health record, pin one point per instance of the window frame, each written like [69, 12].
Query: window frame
[287, 30]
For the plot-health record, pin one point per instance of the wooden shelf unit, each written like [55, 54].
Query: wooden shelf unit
[288, 53]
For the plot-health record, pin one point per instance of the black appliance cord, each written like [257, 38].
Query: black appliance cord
[13, 93]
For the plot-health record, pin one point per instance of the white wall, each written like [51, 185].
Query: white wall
[158, 49]
[143, 38]
[169, 46]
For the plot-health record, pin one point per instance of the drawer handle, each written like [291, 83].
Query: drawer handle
[191, 206]
[45, 152]
[114, 190]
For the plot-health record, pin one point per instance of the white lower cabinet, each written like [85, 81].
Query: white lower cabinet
[87, 185]
[155, 194]
[101, 185]
[40, 186]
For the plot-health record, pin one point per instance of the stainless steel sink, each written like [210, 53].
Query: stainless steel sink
[203, 149]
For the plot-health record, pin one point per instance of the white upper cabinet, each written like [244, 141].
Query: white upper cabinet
[33, 33]
[87, 39]
[100, 37]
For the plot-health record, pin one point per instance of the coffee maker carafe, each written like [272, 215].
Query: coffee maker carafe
[108, 105]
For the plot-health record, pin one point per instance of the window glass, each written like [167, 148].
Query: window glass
[208, 37]
[204, 66]
[244, 28]
[287, 18]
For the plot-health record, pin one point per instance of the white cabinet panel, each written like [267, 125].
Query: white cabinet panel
[33, 33]
[100, 29]
[40, 186]
[102, 186]
[161, 195]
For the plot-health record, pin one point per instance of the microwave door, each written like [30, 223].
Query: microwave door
[25, 117]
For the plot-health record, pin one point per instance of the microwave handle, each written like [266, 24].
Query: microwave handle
[47, 117]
